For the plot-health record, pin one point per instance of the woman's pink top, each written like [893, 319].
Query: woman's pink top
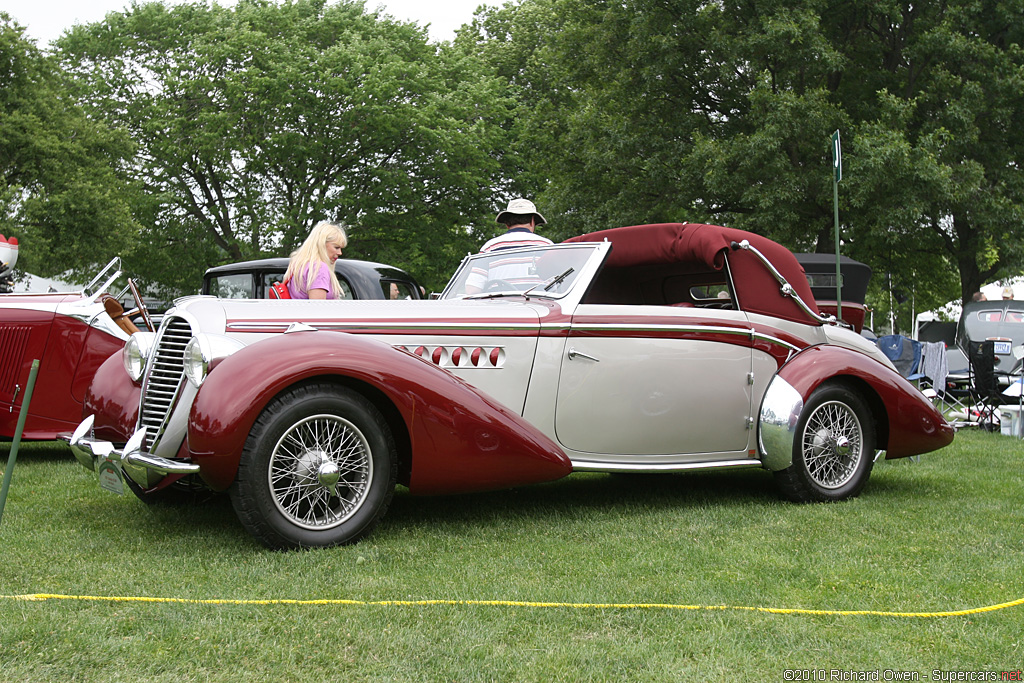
[321, 281]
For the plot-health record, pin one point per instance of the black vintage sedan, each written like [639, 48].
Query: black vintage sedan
[358, 279]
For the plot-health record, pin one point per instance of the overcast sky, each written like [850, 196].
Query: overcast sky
[45, 20]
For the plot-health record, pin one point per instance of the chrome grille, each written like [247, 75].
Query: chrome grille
[164, 377]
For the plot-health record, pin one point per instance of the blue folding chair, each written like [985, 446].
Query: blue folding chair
[905, 354]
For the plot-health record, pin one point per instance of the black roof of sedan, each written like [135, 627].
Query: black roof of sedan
[365, 279]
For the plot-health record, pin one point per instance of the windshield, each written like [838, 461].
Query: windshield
[536, 271]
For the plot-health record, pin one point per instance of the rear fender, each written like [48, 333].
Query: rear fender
[461, 439]
[906, 422]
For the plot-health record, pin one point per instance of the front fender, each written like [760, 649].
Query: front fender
[912, 424]
[461, 439]
[113, 398]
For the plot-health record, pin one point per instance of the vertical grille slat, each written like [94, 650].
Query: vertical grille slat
[164, 377]
[13, 343]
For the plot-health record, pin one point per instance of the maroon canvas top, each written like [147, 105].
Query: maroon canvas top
[757, 290]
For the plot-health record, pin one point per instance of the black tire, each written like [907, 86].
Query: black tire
[834, 448]
[303, 442]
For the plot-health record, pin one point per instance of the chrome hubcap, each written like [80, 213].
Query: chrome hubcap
[320, 472]
[832, 444]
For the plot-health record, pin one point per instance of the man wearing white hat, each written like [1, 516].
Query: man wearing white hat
[522, 218]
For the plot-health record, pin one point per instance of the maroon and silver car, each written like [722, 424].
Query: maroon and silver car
[652, 348]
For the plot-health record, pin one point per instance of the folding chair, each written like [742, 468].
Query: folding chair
[984, 393]
[905, 354]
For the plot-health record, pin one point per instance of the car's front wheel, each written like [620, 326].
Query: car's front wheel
[318, 469]
[834, 448]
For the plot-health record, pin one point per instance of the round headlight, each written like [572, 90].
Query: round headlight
[197, 361]
[136, 354]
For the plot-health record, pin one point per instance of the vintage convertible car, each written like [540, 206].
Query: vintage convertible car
[656, 348]
[71, 334]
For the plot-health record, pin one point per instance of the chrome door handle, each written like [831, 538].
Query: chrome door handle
[573, 353]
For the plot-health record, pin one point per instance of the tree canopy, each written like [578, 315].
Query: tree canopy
[652, 110]
[62, 186]
[253, 123]
[196, 134]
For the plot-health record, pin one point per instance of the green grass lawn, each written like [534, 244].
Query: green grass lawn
[943, 534]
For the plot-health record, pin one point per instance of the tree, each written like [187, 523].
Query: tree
[255, 122]
[722, 112]
[63, 192]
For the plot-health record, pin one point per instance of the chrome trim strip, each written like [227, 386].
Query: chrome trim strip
[775, 340]
[447, 328]
[637, 327]
[272, 326]
[590, 466]
[780, 412]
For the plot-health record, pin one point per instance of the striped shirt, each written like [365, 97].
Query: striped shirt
[517, 269]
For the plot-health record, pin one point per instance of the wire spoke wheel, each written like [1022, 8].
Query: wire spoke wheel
[832, 444]
[320, 471]
[833, 449]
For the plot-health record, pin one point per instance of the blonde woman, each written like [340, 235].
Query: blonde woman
[310, 272]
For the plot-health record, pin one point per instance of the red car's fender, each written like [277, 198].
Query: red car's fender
[461, 439]
[911, 424]
[113, 398]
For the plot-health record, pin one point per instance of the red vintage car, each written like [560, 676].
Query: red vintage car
[71, 334]
[653, 348]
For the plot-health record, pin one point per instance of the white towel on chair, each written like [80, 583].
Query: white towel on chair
[934, 364]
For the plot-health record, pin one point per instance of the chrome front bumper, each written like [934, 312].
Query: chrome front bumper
[144, 469]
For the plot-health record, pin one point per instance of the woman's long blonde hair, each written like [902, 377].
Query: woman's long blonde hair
[314, 250]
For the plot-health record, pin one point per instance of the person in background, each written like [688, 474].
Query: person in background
[522, 220]
[310, 273]
[979, 296]
[1007, 293]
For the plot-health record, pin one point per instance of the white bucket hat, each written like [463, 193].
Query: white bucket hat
[521, 207]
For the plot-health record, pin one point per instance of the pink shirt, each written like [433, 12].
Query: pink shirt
[296, 286]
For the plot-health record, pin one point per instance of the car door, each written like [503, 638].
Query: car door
[655, 381]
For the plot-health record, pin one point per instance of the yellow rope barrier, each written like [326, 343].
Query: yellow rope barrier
[518, 603]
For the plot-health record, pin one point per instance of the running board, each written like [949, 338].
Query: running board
[649, 468]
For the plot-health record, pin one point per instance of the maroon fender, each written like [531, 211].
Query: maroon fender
[914, 425]
[462, 440]
[114, 399]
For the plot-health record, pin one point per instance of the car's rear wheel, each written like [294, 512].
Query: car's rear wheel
[318, 469]
[834, 448]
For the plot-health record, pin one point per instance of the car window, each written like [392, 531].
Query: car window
[717, 293]
[235, 286]
[396, 289]
[996, 316]
[269, 279]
